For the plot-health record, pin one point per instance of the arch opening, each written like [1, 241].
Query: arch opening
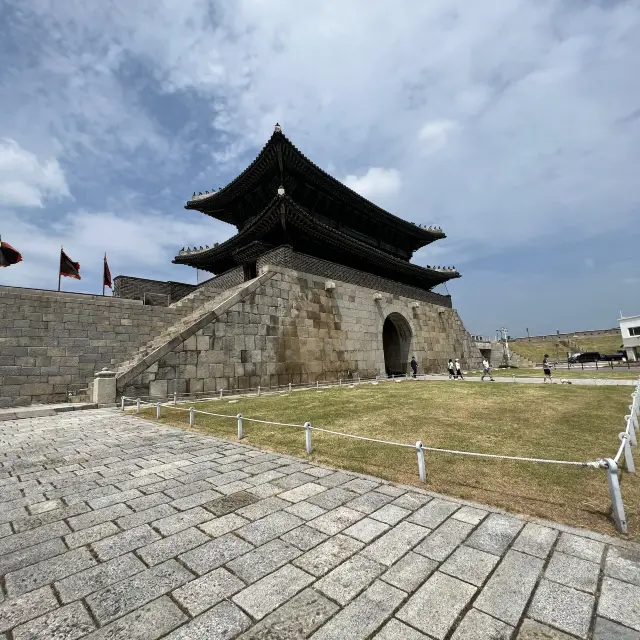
[396, 343]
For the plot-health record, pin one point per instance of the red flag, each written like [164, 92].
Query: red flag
[68, 267]
[8, 255]
[106, 275]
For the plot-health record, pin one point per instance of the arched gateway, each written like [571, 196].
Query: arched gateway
[396, 342]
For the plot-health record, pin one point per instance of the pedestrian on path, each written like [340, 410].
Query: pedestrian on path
[452, 370]
[486, 370]
[546, 367]
[458, 370]
[414, 366]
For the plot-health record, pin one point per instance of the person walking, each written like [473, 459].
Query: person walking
[452, 370]
[458, 370]
[546, 367]
[414, 366]
[486, 370]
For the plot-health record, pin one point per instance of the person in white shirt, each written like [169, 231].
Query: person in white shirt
[486, 370]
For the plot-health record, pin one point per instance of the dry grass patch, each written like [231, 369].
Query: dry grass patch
[552, 421]
[604, 372]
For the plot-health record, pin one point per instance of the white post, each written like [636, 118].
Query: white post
[122, 403]
[421, 468]
[220, 394]
[175, 398]
[317, 385]
[157, 410]
[632, 428]
[289, 387]
[307, 426]
[628, 459]
[258, 389]
[616, 497]
[240, 432]
[358, 374]
[192, 416]
[339, 382]
[138, 405]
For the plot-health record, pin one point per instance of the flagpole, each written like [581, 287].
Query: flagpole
[103, 265]
[60, 268]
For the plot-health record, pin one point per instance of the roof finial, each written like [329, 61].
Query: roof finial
[280, 190]
[277, 128]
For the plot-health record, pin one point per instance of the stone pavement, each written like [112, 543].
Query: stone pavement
[112, 527]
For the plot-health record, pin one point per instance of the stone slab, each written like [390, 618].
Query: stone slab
[268, 594]
[477, 625]
[327, 555]
[295, 619]
[214, 554]
[346, 581]
[507, 592]
[396, 630]
[69, 623]
[620, 602]
[495, 534]
[470, 565]
[607, 630]
[563, 608]
[263, 560]
[535, 540]
[573, 572]
[223, 622]
[366, 530]
[205, 592]
[433, 513]
[436, 605]
[439, 544]
[363, 615]
[584, 548]
[623, 564]
[410, 572]
[395, 543]
[532, 630]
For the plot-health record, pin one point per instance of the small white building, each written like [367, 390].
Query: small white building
[630, 330]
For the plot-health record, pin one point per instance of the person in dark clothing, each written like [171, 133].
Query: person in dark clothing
[458, 370]
[452, 371]
[414, 366]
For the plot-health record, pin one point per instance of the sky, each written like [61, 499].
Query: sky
[513, 125]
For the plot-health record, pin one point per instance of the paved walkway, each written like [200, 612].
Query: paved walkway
[112, 527]
[557, 379]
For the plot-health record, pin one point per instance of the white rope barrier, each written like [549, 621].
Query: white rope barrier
[628, 440]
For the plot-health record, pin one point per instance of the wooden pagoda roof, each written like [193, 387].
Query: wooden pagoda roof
[280, 157]
[282, 212]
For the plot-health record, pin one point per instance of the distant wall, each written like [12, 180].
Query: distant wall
[573, 334]
[51, 342]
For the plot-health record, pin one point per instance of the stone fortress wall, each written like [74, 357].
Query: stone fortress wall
[291, 329]
[51, 342]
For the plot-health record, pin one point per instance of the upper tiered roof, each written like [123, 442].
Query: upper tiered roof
[281, 163]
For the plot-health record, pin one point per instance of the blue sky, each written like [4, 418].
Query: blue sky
[514, 125]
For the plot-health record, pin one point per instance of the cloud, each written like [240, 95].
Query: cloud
[434, 135]
[375, 183]
[512, 125]
[138, 243]
[25, 181]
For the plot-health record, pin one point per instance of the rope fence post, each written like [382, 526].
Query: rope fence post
[220, 394]
[317, 384]
[289, 387]
[421, 467]
[158, 410]
[307, 426]
[632, 428]
[628, 458]
[258, 389]
[138, 405]
[122, 403]
[192, 416]
[175, 398]
[616, 497]
[240, 431]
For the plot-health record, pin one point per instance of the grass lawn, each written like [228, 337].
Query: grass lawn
[534, 350]
[552, 421]
[558, 374]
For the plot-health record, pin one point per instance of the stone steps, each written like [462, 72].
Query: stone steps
[185, 328]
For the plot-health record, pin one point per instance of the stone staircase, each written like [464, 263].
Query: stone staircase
[202, 307]
[516, 359]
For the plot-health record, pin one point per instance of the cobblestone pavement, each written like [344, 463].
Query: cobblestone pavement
[113, 527]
